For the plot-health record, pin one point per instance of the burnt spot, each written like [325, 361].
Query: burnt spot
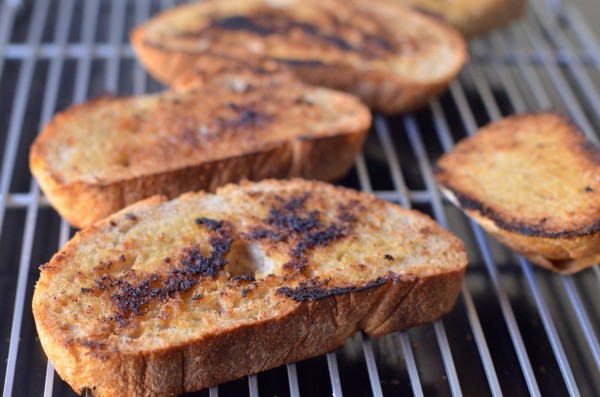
[378, 43]
[345, 213]
[318, 289]
[94, 345]
[244, 116]
[318, 238]
[167, 260]
[389, 257]
[131, 216]
[233, 106]
[310, 63]
[239, 23]
[246, 278]
[86, 290]
[130, 293]
[197, 297]
[196, 263]
[539, 229]
[290, 222]
[588, 189]
[209, 223]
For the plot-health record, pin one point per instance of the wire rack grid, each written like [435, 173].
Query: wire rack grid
[516, 329]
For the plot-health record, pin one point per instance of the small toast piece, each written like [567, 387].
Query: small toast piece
[472, 17]
[167, 297]
[533, 182]
[96, 158]
[394, 58]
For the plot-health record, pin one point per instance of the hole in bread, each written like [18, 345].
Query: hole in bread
[247, 259]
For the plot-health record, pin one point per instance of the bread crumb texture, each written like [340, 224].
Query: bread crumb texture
[534, 182]
[353, 33]
[165, 276]
[113, 139]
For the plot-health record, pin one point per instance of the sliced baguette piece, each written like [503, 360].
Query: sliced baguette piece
[472, 17]
[532, 181]
[394, 58]
[167, 297]
[96, 158]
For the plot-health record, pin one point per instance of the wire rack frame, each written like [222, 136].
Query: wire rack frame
[53, 53]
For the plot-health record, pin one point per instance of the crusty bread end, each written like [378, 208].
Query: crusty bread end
[533, 181]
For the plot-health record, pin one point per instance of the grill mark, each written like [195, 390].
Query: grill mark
[265, 23]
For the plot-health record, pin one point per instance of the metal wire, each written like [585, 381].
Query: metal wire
[493, 110]
[536, 52]
[334, 375]
[25, 79]
[509, 317]
[253, 385]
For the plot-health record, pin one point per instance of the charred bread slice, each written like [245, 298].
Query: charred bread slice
[394, 58]
[532, 181]
[167, 297]
[96, 158]
[472, 17]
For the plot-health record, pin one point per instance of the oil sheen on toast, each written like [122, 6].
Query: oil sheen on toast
[394, 58]
[167, 297]
[532, 181]
[96, 158]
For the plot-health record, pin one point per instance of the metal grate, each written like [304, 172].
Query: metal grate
[516, 329]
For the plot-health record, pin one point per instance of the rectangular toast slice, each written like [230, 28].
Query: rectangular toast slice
[532, 181]
[167, 297]
[394, 58]
[98, 157]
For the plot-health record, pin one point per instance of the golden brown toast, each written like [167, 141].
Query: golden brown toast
[167, 297]
[532, 181]
[394, 58]
[96, 158]
[472, 17]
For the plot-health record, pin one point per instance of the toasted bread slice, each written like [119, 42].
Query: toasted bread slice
[167, 297]
[533, 181]
[96, 158]
[395, 59]
[472, 17]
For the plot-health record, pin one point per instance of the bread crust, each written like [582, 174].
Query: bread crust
[473, 17]
[565, 237]
[309, 330]
[82, 202]
[381, 88]
[310, 322]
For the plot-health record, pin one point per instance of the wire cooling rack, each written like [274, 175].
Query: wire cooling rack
[516, 329]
